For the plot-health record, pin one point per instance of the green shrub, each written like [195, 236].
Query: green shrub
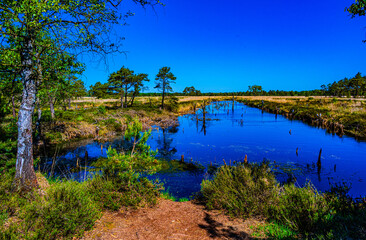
[102, 109]
[129, 165]
[274, 231]
[250, 189]
[67, 211]
[168, 196]
[183, 200]
[302, 209]
[124, 172]
[112, 194]
[243, 190]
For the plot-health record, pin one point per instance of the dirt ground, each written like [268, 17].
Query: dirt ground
[170, 220]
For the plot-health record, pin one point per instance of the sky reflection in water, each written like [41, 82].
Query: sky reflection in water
[230, 135]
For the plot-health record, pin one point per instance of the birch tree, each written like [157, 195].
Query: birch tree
[73, 26]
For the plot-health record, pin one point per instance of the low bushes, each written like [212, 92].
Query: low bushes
[65, 209]
[246, 190]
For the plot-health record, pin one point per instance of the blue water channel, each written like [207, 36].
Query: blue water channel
[227, 135]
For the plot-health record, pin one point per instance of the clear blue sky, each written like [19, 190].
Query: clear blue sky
[220, 46]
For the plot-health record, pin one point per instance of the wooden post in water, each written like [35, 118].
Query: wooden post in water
[246, 159]
[86, 156]
[319, 163]
[182, 158]
[297, 151]
[101, 148]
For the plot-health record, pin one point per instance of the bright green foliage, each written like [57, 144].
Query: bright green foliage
[301, 209]
[183, 200]
[58, 83]
[127, 167]
[124, 184]
[168, 196]
[102, 109]
[133, 134]
[243, 190]
[274, 231]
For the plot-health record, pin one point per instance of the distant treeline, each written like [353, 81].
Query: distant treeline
[347, 87]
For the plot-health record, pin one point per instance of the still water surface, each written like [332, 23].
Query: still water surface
[230, 134]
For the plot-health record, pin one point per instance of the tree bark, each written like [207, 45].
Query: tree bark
[25, 177]
[162, 99]
[132, 99]
[69, 103]
[122, 100]
[126, 97]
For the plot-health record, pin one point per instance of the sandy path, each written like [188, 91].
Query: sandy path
[170, 220]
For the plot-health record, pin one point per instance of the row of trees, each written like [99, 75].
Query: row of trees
[126, 84]
[355, 86]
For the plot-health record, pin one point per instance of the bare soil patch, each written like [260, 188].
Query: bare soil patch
[170, 220]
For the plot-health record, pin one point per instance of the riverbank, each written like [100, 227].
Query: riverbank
[103, 119]
[102, 123]
[337, 115]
